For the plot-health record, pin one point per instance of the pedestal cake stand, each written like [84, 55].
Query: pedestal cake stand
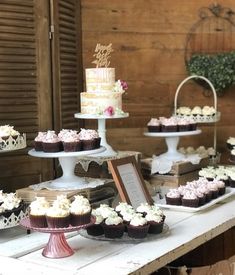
[172, 140]
[67, 160]
[57, 246]
[102, 130]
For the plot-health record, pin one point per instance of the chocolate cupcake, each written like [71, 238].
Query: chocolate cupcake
[113, 226]
[37, 212]
[80, 211]
[173, 197]
[51, 143]
[155, 222]
[154, 125]
[38, 141]
[138, 227]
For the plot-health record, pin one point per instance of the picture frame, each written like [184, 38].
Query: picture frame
[129, 181]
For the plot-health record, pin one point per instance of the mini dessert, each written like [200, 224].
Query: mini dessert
[155, 222]
[11, 204]
[104, 210]
[208, 111]
[123, 207]
[221, 186]
[88, 138]
[58, 215]
[96, 229]
[80, 211]
[196, 111]
[183, 125]
[169, 124]
[138, 227]
[38, 141]
[173, 197]
[113, 226]
[51, 143]
[70, 140]
[231, 143]
[154, 125]
[7, 131]
[37, 212]
[232, 155]
[183, 111]
[190, 199]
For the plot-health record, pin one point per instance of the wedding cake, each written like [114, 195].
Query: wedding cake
[103, 94]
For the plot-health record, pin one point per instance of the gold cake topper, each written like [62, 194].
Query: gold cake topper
[102, 54]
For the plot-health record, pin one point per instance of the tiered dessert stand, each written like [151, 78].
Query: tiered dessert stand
[102, 130]
[67, 160]
[172, 138]
[8, 145]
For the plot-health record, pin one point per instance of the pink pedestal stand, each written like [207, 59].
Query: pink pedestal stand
[57, 246]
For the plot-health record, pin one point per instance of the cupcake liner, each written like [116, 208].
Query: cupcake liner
[80, 219]
[72, 146]
[38, 221]
[52, 147]
[170, 128]
[222, 191]
[88, 144]
[190, 202]
[95, 230]
[113, 231]
[184, 128]
[173, 201]
[58, 222]
[97, 142]
[156, 128]
[38, 146]
[137, 232]
[155, 228]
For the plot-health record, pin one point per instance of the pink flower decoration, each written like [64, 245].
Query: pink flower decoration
[109, 111]
[124, 85]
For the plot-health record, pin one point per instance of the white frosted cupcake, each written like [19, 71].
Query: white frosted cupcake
[37, 212]
[80, 211]
[138, 227]
[113, 226]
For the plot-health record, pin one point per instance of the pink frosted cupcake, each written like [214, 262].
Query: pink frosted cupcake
[173, 197]
[70, 140]
[169, 124]
[183, 125]
[221, 186]
[154, 125]
[38, 141]
[89, 139]
[51, 142]
[190, 199]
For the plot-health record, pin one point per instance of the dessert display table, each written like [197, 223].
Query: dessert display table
[24, 252]
[172, 140]
[102, 130]
[67, 161]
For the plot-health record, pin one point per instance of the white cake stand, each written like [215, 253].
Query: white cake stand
[102, 130]
[67, 161]
[172, 140]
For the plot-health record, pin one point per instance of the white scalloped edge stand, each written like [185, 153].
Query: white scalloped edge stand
[11, 143]
[201, 119]
[13, 220]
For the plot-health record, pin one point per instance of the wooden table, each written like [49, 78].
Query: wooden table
[187, 231]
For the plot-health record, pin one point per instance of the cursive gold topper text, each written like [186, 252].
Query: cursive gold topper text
[102, 54]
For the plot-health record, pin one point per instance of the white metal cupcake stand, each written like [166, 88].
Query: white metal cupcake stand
[172, 138]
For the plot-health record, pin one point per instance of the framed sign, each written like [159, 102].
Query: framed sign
[129, 181]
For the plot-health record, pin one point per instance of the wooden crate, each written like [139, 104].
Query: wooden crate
[178, 168]
[173, 180]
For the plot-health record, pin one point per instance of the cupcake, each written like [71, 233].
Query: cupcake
[11, 204]
[88, 139]
[201, 196]
[206, 191]
[214, 189]
[173, 197]
[183, 125]
[221, 186]
[113, 226]
[231, 143]
[38, 141]
[127, 215]
[143, 209]
[190, 199]
[154, 125]
[96, 229]
[155, 222]
[37, 212]
[70, 140]
[183, 111]
[196, 111]
[80, 211]
[232, 155]
[223, 177]
[51, 143]
[104, 210]
[138, 227]
[123, 207]
[169, 124]
[58, 215]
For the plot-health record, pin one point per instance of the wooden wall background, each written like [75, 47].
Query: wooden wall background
[149, 39]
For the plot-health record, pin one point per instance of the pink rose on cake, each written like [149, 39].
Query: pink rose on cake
[109, 111]
[120, 86]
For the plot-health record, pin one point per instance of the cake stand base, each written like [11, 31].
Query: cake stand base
[57, 247]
